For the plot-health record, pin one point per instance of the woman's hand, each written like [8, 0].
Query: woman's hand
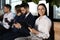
[33, 30]
[17, 25]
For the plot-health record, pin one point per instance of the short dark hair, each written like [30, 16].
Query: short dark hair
[8, 6]
[44, 7]
[17, 8]
[25, 5]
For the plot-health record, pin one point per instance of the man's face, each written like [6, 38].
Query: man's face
[6, 10]
[23, 10]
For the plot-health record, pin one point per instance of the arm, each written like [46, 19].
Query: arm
[34, 31]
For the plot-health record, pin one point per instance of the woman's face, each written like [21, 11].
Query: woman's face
[41, 10]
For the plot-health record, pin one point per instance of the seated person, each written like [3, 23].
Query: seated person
[43, 23]
[18, 18]
[7, 17]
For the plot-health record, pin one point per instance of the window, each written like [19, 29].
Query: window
[14, 3]
[2, 2]
[56, 14]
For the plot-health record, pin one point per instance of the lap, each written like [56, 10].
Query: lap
[12, 35]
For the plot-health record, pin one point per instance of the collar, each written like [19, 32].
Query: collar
[27, 14]
[42, 16]
[8, 13]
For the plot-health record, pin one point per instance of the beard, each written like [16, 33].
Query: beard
[25, 13]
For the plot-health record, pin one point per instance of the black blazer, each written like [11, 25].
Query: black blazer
[29, 21]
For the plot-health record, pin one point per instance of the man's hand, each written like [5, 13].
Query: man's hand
[17, 25]
[33, 30]
[6, 20]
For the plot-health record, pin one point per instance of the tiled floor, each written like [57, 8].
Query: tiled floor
[57, 30]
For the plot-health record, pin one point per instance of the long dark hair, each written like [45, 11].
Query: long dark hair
[44, 7]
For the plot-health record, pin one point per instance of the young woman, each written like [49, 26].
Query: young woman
[17, 18]
[43, 23]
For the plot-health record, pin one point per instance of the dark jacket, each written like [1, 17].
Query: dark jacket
[27, 22]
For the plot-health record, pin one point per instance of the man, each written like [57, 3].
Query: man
[22, 26]
[7, 17]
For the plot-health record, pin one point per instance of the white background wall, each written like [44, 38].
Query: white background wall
[32, 6]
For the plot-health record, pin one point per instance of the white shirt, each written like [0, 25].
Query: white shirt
[27, 15]
[44, 24]
[9, 17]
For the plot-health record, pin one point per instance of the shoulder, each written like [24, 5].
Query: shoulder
[30, 15]
[4, 14]
[47, 20]
[12, 14]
